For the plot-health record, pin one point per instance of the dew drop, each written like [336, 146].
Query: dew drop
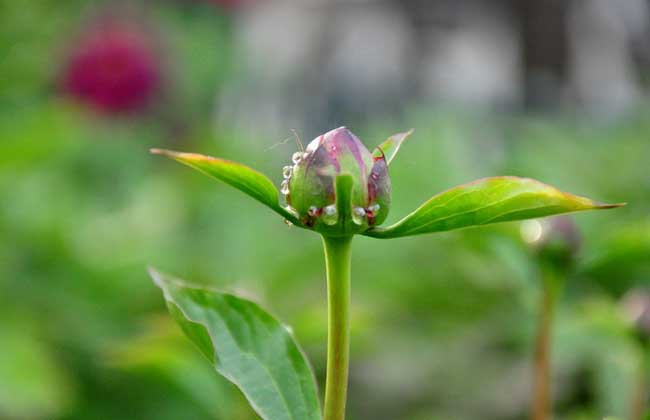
[291, 210]
[284, 187]
[313, 211]
[330, 216]
[358, 215]
[374, 208]
[371, 212]
[297, 157]
[287, 171]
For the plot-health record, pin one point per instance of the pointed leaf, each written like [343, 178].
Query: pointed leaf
[235, 174]
[390, 147]
[488, 200]
[248, 347]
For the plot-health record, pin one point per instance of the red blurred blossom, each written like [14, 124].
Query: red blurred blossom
[113, 67]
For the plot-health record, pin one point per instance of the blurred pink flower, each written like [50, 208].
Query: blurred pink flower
[113, 67]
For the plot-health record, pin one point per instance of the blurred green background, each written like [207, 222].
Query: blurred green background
[443, 325]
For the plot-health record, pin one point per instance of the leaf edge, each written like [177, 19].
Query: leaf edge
[385, 232]
[159, 279]
[185, 159]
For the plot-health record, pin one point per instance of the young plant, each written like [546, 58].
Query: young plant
[338, 189]
[556, 242]
[636, 305]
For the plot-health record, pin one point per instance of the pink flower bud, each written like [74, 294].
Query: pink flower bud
[310, 190]
[556, 240]
[636, 308]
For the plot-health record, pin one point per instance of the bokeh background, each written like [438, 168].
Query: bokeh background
[443, 325]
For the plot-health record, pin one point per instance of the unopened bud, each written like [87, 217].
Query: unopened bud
[556, 240]
[311, 188]
[636, 309]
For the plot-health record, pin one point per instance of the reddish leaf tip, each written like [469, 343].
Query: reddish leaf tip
[155, 151]
[610, 206]
[180, 155]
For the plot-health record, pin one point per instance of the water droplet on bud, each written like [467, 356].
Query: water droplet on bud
[284, 187]
[374, 208]
[358, 215]
[330, 215]
[371, 212]
[292, 211]
[297, 157]
[287, 171]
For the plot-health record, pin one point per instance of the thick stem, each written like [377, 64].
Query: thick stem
[541, 406]
[337, 258]
[640, 401]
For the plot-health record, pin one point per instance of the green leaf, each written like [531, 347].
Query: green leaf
[484, 201]
[390, 147]
[248, 347]
[234, 174]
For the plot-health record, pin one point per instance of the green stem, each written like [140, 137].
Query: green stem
[337, 258]
[541, 407]
[640, 401]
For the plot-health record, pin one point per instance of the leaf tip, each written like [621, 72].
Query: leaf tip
[402, 137]
[156, 277]
[605, 206]
[163, 152]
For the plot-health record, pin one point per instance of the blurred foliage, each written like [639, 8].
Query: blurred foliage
[442, 325]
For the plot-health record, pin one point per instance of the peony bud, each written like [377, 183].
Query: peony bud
[636, 309]
[310, 190]
[556, 240]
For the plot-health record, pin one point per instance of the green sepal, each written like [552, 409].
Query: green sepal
[390, 147]
[345, 224]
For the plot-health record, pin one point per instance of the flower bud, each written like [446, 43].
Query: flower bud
[636, 309]
[556, 240]
[310, 187]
